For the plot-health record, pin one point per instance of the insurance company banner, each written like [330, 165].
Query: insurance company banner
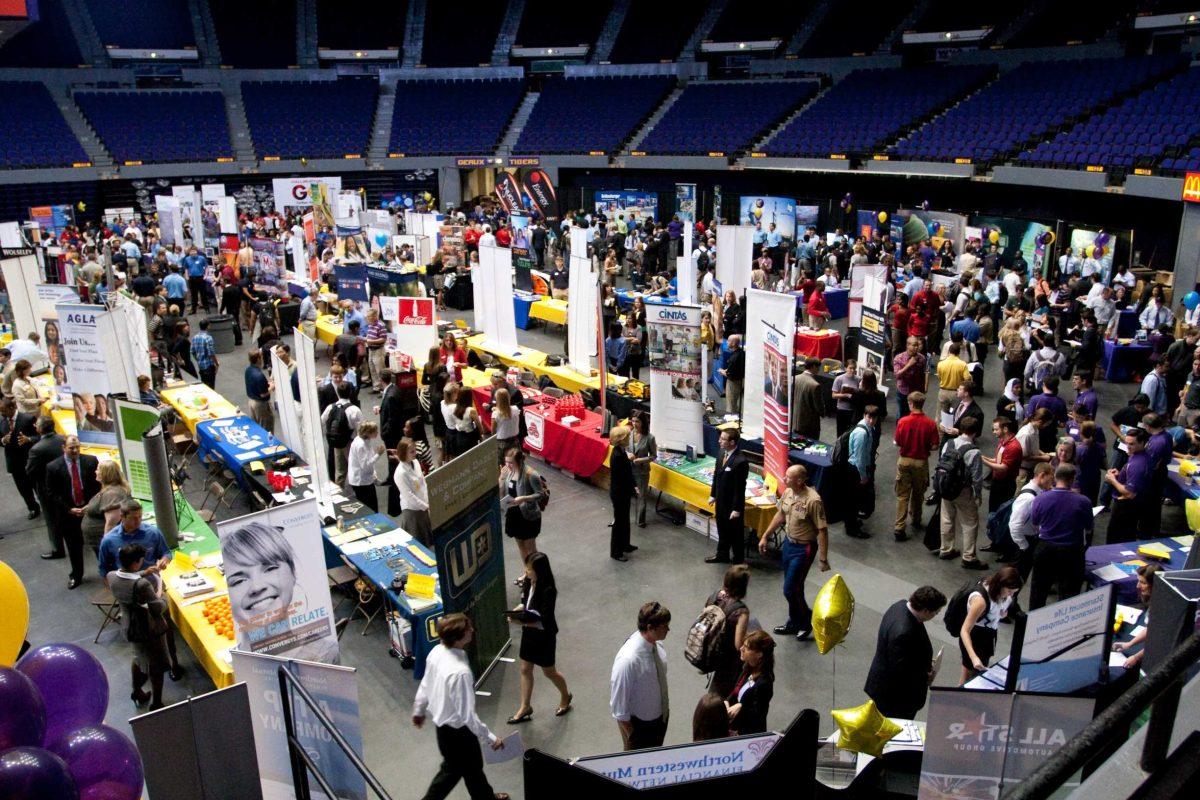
[87, 371]
[763, 310]
[1065, 646]
[677, 376]
[540, 190]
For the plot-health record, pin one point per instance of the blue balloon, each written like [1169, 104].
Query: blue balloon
[933, 228]
[1191, 300]
[31, 773]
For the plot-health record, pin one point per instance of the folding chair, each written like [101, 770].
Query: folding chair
[341, 578]
[367, 594]
[215, 493]
[107, 605]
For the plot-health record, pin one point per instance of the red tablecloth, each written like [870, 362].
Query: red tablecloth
[819, 344]
[579, 449]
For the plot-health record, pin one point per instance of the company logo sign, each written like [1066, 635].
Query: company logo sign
[1191, 187]
[300, 191]
[469, 552]
[411, 311]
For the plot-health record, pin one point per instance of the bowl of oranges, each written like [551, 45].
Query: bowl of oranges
[219, 615]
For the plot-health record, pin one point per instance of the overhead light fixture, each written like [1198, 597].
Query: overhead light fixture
[550, 51]
[358, 53]
[949, 35]
[1191, 18]
[497, 161]
[741, 45]
[153, 54]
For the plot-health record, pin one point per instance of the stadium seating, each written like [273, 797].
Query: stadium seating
[42, 43]
[955, 15]
[545, 24]
[318, 119]
[1134, 133]
[33, 132]
[158, 126]
[1027, 103]
[242, 31]
[441, 117]
[626, 102]
[745, 21]
[653, 32]
[143, 23]
[460, 36]
[340, 24]
[724, 117]
[868, 108]
[849, 28]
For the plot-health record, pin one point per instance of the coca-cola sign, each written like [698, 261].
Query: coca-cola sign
[415, 311]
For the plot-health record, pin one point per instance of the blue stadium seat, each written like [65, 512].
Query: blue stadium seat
[310, 119]
[33, 132]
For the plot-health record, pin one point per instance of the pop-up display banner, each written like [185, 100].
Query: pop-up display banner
[677, 376]
[778, 347]
[493, 287]
[1065, 646]
[858, 286]
[21, 278]
[87, 367]
[290, 414]
[310, 413]
[735, 252]
[582, 299]
[763, 309]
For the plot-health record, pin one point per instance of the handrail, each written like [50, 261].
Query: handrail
[302, 764]
[1162, 683]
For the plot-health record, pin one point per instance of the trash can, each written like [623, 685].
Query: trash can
[220, 327]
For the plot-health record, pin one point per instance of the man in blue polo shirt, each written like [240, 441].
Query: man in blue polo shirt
[1064, 523]
[196, 264]
[176, 288]
[132, 530]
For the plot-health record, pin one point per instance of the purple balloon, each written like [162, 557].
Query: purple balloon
[31, 773]
[104, 763]
[22, 714]
[73, 685]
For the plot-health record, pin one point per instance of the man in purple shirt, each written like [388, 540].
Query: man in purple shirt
[1048, 399]
[1064, 522]
[1159, 451]
[1085, 395]
[1132, 491]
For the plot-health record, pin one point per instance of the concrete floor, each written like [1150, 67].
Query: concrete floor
[597, 609]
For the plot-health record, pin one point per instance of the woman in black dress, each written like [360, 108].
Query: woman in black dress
[750, 699]
[621, 490]
[524, 491]
[539, 635]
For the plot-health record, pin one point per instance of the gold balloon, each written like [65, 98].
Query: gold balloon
[14, 616]
[883, 216]
[1192, 509]
[863, 729]
[832, 611]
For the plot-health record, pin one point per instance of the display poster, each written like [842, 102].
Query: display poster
[401, 201]
[190, 213]
[735, 252]
[414, 325]
[777, 402]
[52, 218]
[86, 367]
[270, 261]
[288, 416]
[210, 219]
[807, 218]
[522, 251]
[940, 227]
[293, 194]
[274, 566]
[583, 291]
[1013, 236]
[685, 203]
[684, 763]
[717, 217]
[380, 228]
[634, 205]
[977, 744]
[119, 218]
[1082, 239]
[335, 690]
[464, 510]
[1065, 647]
[352, 282]
[763, 309]
[868, 222]
[51, 294]
[677, 362]
[755, 210]
[872, 342]
[170, 220]
[133, 421]
[508, 192]
[859, 274]
[20, 272]
[304, 351]
[492, 283]
[540, 189]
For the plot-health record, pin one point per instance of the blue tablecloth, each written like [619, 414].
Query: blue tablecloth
[522, 301]
[1117, 554]
[1179, 489]
[1122, 361]
[380, 574]
[1127, 323]
[237, 441]
[625, 298]
[838, 301]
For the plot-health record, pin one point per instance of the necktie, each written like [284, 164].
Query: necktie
[660, 667]
[76, 483]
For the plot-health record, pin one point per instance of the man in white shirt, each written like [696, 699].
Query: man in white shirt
[1102, 305]
[1068, 264]
[335, 435]
[488, 239]
[1021, 528]
[447, 696]
[1012, 283]
[968, 262]
[639, 701]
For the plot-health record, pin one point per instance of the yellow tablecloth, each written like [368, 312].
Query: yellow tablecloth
[692, 491]
[208, 646]
[550, 310]
[328, 328]
[535, 361]
[181, 399]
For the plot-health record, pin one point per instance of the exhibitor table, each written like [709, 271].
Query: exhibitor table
[550, 309]
[563, 377]
[329, 327]
[1123, 359]
[195, 403]
[1117, 564]
[236, 442]
[579, 448]
[378, 548]
[625, 298]
[691, 482]
[819, 344]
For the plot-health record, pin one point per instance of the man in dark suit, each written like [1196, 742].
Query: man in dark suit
[902, 669]
[965, 407]
[391, 431]
[71, 483]
[17, 435]
[729, 495]
[48, 447]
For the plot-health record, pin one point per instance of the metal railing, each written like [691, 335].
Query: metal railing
[302, 763]
[1160, 691]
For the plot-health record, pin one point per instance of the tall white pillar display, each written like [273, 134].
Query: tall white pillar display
[735, 256]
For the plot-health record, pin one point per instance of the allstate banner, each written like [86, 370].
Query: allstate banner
[87, 371]
[677, 383]
[540, 189]
[335, 689]
[664, 766]
[777, 402]
[1065, 646]
[979, 743]
[352, 282]
[274, 566]
[685, 202]
[464, 510]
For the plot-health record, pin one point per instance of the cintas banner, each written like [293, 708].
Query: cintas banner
[508, 191]
[541, 190]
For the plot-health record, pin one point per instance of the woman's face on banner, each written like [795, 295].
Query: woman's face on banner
[259, 591]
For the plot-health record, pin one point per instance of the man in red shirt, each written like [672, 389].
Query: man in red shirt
[916, 437]
[1005, 465]
[504, 236]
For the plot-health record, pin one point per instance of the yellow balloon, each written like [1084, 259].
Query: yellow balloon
[1091, 250]
[863, 729]
[14, 615]
[832, 611]
[883, 216]
[993, 236]
[1192, 509]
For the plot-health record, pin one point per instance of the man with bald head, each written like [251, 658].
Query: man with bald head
[802, 515]
[70, 484]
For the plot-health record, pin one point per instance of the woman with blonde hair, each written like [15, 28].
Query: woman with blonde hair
[506, 423]
[449, 441]
[103, 511]
[29, 398]
[414, 493]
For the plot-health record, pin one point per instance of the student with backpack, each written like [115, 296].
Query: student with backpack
[716, 637]
[339, 422]
[973, 617]
[859, 470]
[958, 480]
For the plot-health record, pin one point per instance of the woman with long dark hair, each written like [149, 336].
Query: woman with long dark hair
[539, 635]
[750, 699]
[986, 605]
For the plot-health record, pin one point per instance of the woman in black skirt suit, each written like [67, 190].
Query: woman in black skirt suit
[538, 638]
[523, 491]
[621, 490]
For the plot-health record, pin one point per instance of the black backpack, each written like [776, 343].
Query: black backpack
[950, 476]
[997, 523]
[956, 609]
[839, 454]
[702, 262]
[337, 427]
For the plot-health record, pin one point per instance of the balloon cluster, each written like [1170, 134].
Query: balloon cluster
[934, 227]
[1045, 238]
[848, 203]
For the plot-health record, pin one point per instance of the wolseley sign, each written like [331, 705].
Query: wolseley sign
[1191, 187]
